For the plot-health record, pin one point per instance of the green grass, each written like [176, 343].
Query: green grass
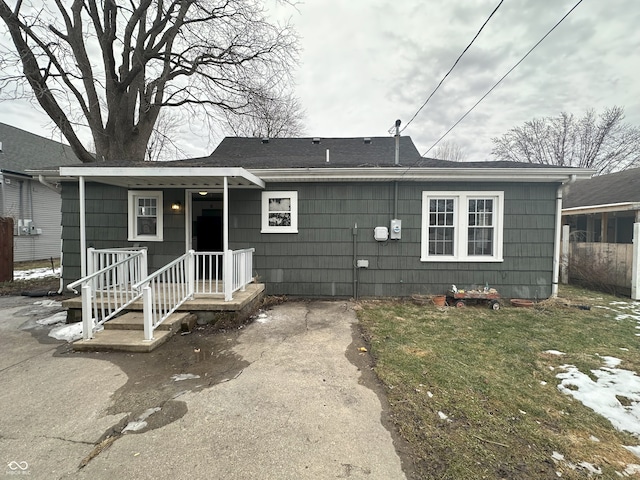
[485, 370]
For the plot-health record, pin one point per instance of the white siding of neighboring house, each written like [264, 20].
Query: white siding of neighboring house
[39, 204]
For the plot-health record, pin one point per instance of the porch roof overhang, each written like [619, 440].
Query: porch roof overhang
[164, 177]
[604, 208]
[423, 174]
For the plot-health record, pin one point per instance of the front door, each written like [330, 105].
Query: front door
[206, 215]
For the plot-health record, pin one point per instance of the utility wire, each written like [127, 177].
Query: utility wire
[503, 77]
[451, 69]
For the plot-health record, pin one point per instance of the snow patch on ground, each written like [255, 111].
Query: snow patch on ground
[183, 376]
[35, 273]
[70, 333]
[554, 352]
[60, 317]
[262, 318]
[601, 395]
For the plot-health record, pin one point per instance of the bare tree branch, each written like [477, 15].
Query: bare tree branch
[601, 142]
[119, 64]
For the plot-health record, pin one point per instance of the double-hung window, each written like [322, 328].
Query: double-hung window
[279, 212]
[145, 215]
[462, 226]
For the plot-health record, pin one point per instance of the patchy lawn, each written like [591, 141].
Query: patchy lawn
[503, 394]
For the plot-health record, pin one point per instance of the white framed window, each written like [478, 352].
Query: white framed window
[462, 226]
[145, 215]
[279, 212]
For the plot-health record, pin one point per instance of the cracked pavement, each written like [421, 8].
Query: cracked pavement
[277, 399]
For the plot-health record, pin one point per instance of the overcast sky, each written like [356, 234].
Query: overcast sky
[366, 63]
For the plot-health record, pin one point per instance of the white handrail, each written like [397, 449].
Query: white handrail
[108, 291]
[165, 290]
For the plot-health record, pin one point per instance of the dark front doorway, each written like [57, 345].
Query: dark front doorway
[207, 222]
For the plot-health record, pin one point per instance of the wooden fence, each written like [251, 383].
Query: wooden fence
[609, 263]
[6, 249]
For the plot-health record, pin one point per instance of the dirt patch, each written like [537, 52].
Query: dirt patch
[365, 364]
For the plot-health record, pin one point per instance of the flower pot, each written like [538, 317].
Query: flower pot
[439, 300]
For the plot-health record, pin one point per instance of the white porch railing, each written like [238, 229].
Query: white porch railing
[209, 268]
[99, 259]
[165, 290]
[108, 291]
[241, 269]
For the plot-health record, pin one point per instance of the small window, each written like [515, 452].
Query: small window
[279, 212]
[145, 216]
[462, 226]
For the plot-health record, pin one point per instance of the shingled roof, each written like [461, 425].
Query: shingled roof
[619, 187]
[257, 153]
[22, 151]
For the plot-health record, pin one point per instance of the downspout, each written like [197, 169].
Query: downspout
[44, 182]
[558, 237]
[355, 261]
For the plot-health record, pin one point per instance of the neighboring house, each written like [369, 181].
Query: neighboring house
[34, 206]
[329, 217]
[602, 216]
[604, 208]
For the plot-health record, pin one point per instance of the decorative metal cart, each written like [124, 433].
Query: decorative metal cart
[462, 298]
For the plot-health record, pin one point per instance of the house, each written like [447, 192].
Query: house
[604, 208]
[602, 230]
[33, 203]
[327, 217]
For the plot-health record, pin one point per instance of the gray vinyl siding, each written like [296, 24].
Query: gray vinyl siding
[318, 260]
[28, 199]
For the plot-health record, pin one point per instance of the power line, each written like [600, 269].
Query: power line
[503, 77]
[454, 66]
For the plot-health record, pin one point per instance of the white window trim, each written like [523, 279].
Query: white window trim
[461, 220]
[266, 228]
[133, 195]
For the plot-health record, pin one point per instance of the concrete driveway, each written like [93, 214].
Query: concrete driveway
[278, 399]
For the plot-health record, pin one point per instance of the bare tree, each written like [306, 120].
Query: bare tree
[447, 150]
[602, 142]
[112, 66]
[267, 116]
[162, 145]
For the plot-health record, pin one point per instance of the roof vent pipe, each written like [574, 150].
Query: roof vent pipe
[398, 141]
[367, 140]
[327, 155]
[315, 140]
[265, 140]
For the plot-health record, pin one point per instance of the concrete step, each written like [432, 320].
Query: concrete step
[123, 340]
[135, 321]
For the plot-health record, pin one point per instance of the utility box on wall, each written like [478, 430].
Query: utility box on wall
[6, 249]
[396, 229]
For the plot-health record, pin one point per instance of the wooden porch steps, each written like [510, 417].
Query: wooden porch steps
[125, 333]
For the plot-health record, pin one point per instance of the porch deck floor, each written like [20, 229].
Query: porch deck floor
[214, 303]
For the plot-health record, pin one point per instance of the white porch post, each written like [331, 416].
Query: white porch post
[564, 261]
[635, 268]
[83, 233]
[227, 268]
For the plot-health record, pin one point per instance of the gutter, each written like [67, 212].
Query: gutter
[558, 236]
[51, 186]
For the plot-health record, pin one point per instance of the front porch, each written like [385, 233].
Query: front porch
[124, 333]
[124, 308]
